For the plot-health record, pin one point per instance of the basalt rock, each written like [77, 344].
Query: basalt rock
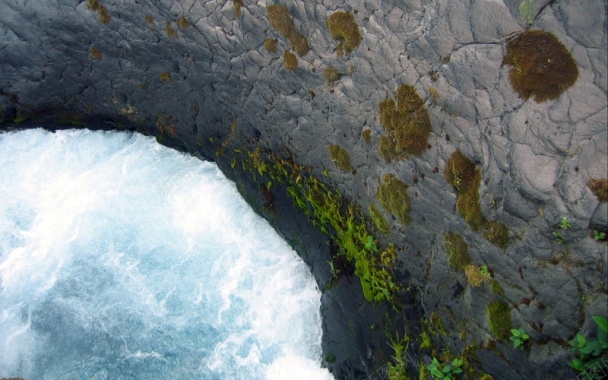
[210, 78]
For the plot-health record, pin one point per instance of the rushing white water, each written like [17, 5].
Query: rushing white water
[122, 259]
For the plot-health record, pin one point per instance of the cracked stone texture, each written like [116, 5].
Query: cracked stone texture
[535, 158]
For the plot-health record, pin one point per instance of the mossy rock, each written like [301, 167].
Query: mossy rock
[541, 66]
[379, 220]
[343, 28]
[392, 195]
[271, 45]
[407, 124]
[499, 318]
[457, 251]
[461, 173]
[599, 187]
[290, 61]
[331, 75]
[340, 157]
[281, 20]
[497, 233]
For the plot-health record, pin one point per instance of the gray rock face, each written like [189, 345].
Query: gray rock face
[186, 70]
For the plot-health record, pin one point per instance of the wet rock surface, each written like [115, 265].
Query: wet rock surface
[188, 71]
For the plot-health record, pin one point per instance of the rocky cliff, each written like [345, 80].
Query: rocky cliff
[441, 165]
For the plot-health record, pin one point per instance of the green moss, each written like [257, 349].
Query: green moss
[271, 45]
[340, 157]
[330, 357]
[331, 75]
[379, 220]
[392, 195]
[461, 173]
[407, 124]
[236, 5]
[497, 233]
[281, 20]
[599, 187]
[165, 76]
[499, 318]
[290, 61]
[343, 28]
[183, 23]
[496, 288]
[457, 251]
[541, 66]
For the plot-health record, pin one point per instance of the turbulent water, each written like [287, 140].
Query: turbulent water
[122, 259]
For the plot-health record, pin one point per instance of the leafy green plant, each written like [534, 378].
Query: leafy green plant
[519, 338]
[485, 272]
[526, 9]
[591, 355]
[445, 371]
[558, 237]
[335, 272]
[599, 235]
[565, 223]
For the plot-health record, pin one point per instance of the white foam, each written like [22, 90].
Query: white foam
[119, 257]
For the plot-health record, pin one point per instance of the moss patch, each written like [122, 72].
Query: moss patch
[171, 33]
[343, 28]
[281, 20]
[271, 45]
[102, 12]
[541, 66]
[496, 233]
[290, 61]
[183, 23]
[457, 251]
[499, 318]
[392, 195]
[340, 157]
[367, 135]
[236, 5]
[95, 53]
[599, 187]
[165, 76]
[407, 124]
[331, 75]
[496, 288]
[379, 220]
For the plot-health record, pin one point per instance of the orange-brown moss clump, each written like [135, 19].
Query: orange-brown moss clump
[343, 28]
[541, 66]
[281, 20]
[290, 61]
[461, 173]
[331, 75]
[367, 135]
[340, 157]
[102, 11]
[271, 45]
[599, 187]
[95, 53]
[392, 195]
[407, 124]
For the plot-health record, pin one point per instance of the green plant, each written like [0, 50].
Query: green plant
[590, 360]
[335, 272]
[397, 370]
[599, 235]
[564, 223]
[445, 371]
[519, 338]
[541, 66]
[558, 237]
[526, 9]
[591, 354]
[485, 272]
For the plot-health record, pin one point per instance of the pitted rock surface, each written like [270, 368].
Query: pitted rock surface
[186, 83]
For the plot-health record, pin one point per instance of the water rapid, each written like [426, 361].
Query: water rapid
[123, 259]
